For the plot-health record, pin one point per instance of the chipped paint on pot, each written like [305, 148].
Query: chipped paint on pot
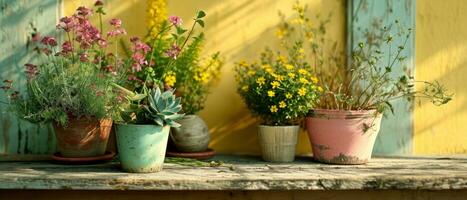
[142, 147]
[278, 142]
[192, 136]
[343, 137]
[83, 137]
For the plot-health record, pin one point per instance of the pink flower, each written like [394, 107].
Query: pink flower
[175, 20]
[116, 23]
[102, 43]
[134, 39]
[47, 40]
[98, 3]
[84, 12]
[46, 51]
[136, 67]
[36, 36]
[83, 57]
[116, 32]
[173, 52]
[66, 23]
[66, 47]
[31, 70]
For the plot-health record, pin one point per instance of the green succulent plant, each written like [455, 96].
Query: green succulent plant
[151, 107]
[163, 107]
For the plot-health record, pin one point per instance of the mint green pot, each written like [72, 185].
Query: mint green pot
[142, 147]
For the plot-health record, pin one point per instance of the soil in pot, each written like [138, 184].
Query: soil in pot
[142, 147]
[343, 137]
[83, 137]
[192, 136]
[278, 142]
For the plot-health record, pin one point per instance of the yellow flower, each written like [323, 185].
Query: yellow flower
[269, 70]
[245, 88]
[275, 84]
[271, 93]
[297, 21]
[170, 79]
[279, 78]
[291, 75]
[243, 63]
[266, 66]
[289, 66]
[301, 51]
[282, 104]
[280, 33]
[314, 79]
[320, 89]
[304, 81]
[251, 72]
[302, 91]
[281, 59]
[302, 71]
[273, 109]
[288, 96]
[261, 81]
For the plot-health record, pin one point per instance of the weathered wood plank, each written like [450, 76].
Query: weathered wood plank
[395, 137]
[243, 173]
[18, 18]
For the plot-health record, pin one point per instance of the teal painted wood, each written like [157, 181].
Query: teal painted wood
[18, 18]
[395, 137]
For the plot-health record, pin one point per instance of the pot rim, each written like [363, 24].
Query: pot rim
[126, 124]
[279, 126]
[347, 114]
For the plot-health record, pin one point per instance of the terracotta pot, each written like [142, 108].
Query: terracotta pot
[83, 137]
[343, 137]
[192, 136]
[278, 142]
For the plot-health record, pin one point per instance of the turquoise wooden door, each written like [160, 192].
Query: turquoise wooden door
[20, 140]
[395, 137]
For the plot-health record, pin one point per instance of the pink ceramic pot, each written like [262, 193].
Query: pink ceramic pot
[343, 137]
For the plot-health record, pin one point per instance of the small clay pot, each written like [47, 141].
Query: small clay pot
[278, 142]
[83, 137]
[343, 137]
[192, 136]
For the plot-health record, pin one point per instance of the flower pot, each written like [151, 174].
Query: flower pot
[343, 137]
[278, 142]
[83, 137]
[142, 147]
[192, 136]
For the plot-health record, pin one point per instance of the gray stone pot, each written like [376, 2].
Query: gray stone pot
[278, 142]
[192, 136]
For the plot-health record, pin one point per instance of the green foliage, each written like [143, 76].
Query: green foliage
[62, 90]
[151, 107]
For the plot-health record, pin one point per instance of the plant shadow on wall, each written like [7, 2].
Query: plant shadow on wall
[237, 124]
[441, 47]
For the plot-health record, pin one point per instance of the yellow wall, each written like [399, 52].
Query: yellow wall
[441, 54]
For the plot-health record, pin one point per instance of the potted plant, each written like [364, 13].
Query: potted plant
[280, 90]
[344, 124]
[71, 85]
[143, 133]
[176, 58]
